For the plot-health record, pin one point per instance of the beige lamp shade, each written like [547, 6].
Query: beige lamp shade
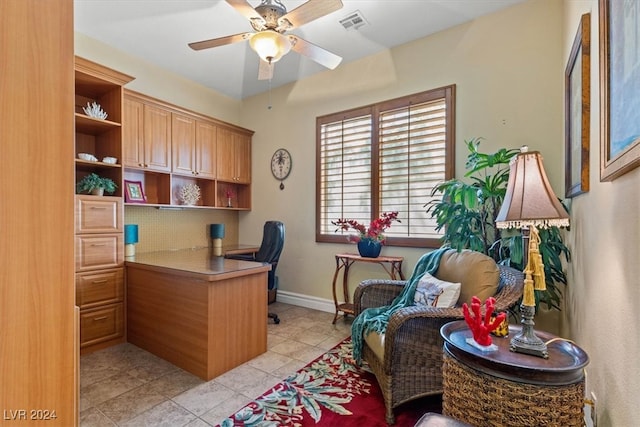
[270, 45]
[530, 200]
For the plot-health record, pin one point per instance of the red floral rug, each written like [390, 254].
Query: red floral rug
[330, 391]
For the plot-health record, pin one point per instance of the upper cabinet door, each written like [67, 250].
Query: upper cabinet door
[242, 148]
[133, 134]
[183, 141]
[206, 146]
[225, 158]
[157, 138]
[234, 156]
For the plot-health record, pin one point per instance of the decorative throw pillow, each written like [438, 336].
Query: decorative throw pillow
[478, 273]
[434, 292]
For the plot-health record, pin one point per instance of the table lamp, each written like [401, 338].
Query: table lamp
[530, 203]
[130, 239]
[216, 232]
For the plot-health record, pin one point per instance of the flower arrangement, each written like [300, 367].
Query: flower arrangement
[375, 230]
[228, 193]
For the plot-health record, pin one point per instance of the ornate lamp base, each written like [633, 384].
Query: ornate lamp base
[526, 341]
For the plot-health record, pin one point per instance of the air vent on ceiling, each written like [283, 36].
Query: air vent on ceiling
[353, 21]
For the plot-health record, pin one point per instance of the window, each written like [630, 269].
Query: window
[385, 157]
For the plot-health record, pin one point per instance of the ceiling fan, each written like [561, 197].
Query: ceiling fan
[271, 21]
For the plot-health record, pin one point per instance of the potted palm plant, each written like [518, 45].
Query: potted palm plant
[466, 210]
[96, 185]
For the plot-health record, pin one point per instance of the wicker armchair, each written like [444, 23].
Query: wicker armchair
[411, 366]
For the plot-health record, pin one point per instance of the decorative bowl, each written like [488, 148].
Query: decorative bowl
[88, 157]
[110, 160]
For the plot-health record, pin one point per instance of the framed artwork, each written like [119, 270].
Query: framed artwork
[577, 111]
[619, 87]
[133, 192]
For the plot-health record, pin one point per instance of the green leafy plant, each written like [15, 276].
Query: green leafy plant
[466, 211]
[93, 181]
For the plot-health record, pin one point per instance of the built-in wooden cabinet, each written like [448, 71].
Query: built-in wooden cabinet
[99, 249]
[157, 138]
[192, 143]
[146, 136]
[206, 144]
[234, 156]
[99, 240]
[99, 137]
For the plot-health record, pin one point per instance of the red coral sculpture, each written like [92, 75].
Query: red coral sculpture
[482, 326]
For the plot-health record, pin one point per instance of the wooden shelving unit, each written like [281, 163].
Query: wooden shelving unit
[166, 147]
[99, 239]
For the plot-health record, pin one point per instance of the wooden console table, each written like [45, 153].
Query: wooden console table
[391, 264]
[512, 389]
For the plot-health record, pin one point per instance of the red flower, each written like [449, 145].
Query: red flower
[228, 193]
[375, 229]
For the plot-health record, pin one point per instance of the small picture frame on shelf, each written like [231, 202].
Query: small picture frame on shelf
[133, 192]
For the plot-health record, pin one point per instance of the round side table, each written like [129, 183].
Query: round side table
[503, 388]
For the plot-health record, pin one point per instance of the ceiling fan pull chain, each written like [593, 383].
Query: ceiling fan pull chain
[269, 106]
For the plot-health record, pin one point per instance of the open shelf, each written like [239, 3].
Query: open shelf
[92, 125]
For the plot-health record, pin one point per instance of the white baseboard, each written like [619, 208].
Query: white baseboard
[307, 301]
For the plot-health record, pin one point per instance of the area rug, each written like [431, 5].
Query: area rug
[330, 391]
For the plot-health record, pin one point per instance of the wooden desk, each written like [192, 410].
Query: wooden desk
[512, 389]
[203, 313]
[391, 264]
[240, 249]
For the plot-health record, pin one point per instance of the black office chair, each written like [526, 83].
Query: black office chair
[269, 252]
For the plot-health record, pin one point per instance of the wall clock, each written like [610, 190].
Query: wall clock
[281, 165]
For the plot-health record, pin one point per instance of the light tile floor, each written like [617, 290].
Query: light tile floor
[127, 386]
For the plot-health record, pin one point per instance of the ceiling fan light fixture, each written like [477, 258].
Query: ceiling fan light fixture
[270, 45]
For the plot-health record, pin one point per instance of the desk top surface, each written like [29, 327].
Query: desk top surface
[198, 262]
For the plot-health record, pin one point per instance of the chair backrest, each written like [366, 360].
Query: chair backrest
[271, 247]
[272, 242]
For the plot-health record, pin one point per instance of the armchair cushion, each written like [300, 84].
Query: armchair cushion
[434, 292]
[375, 341]
[477, 272]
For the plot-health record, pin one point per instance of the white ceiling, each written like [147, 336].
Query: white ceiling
[158, 31]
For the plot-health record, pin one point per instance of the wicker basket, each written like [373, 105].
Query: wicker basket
[484, 400]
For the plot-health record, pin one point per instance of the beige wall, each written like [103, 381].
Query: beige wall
[601, 306]
[508, 71]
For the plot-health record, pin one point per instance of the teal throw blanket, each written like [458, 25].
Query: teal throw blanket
[375, 319]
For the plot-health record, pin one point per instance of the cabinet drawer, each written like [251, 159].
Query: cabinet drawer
[100, 287]
[99, 251]
[101, 324]
[96, 214]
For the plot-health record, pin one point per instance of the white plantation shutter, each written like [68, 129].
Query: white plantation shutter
[412, 161]
[385, 157]
[345, 174]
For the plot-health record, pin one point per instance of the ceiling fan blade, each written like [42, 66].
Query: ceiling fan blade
[307, 12]
[265, 70]
[220, 41]
[318, 54]
[248, 12]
